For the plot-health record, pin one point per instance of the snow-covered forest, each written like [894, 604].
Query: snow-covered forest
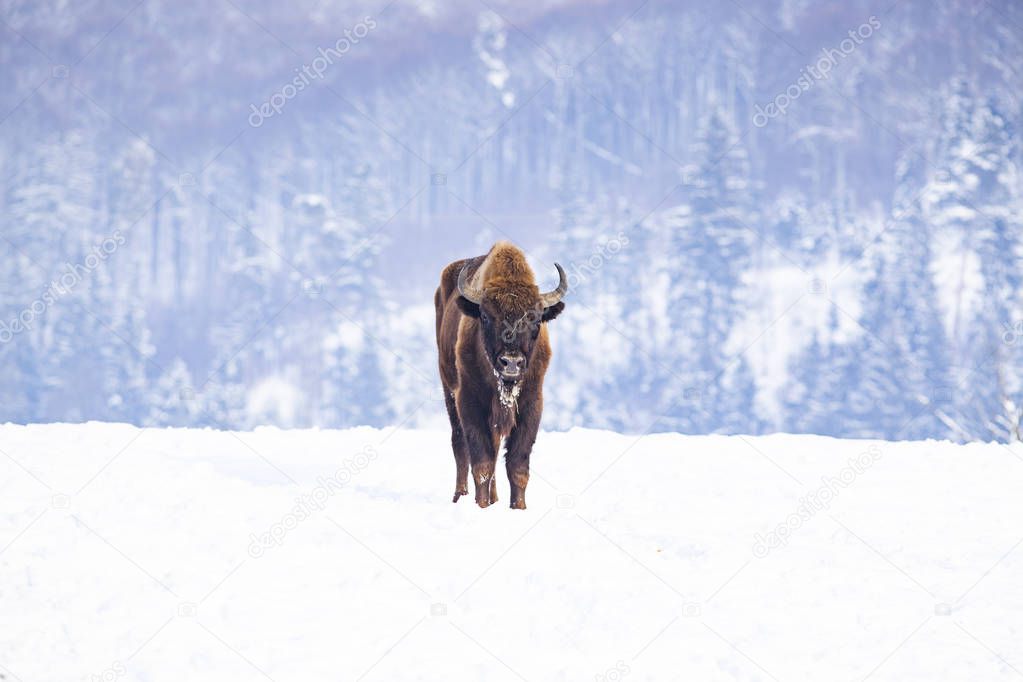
[798, 216]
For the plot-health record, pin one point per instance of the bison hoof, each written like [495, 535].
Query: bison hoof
[518, 504]
[459, 493]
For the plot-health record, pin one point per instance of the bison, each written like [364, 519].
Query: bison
[493, 352]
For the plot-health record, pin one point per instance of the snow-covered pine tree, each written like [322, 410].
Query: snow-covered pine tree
[902, 385]
[585, 330]
[995, 406]
[716, 391]
[969, 204]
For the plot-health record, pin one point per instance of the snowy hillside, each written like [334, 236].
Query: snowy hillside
[751, 247]
[312, 555]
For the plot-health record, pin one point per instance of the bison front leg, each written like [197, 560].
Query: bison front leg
[482, 456]
[516, 456]
[483, 477]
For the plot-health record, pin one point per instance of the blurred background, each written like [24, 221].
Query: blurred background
[776, 216]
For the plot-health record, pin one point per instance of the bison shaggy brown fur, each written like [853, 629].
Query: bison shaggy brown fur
[494, 351]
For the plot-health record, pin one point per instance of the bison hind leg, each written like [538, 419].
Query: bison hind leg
[461, 477]
[458, 447]
[461, 472]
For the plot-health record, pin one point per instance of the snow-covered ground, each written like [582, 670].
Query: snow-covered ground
[337, 555]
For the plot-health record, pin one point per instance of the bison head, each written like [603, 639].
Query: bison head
[510, 313]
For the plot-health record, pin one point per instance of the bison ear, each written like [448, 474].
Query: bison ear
[553, 311]
[468, 307]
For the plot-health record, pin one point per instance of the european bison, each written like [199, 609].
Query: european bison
[493, 351]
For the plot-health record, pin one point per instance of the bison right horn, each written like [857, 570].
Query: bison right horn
[552, 297]
[468, 292]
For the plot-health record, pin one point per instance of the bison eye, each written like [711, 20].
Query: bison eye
[484, 318]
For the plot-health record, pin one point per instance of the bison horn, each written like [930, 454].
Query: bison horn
[552, 297]
[468, 292]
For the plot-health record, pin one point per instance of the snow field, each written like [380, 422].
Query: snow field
[306, 555]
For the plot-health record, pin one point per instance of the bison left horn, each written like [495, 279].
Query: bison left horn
[552, 297]
[468, 292]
